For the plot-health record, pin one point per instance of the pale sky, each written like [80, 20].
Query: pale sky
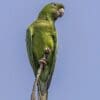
[77, 72]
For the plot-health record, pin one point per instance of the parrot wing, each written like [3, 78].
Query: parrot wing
[29, 37]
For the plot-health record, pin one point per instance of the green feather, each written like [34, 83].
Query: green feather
[41, 34]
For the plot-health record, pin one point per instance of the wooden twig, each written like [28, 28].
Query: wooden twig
[33, 95]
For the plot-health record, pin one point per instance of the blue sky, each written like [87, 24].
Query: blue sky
[77, 72]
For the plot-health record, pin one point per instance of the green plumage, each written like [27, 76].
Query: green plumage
[42, 34]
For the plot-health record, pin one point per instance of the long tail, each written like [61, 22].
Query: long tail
[42, 96]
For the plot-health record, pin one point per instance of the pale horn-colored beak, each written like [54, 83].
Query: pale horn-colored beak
[61, 12]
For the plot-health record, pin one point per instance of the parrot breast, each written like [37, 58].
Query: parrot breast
[43, 38]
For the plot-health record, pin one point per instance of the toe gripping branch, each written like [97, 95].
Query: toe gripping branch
[42, 62]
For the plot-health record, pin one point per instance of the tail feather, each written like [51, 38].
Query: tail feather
[42, 96]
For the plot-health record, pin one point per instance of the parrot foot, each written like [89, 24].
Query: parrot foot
[47, 52]
[43, 60]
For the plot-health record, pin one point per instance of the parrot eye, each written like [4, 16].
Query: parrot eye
[53, 4]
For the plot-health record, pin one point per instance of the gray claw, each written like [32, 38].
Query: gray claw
[47, 50]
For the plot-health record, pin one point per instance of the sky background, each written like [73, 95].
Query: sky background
[77, 72]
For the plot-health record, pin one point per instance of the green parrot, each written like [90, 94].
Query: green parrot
[41, 42]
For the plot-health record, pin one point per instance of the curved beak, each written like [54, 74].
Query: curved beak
[61, 12]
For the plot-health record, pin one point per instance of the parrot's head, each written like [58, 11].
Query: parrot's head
[52, 10]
